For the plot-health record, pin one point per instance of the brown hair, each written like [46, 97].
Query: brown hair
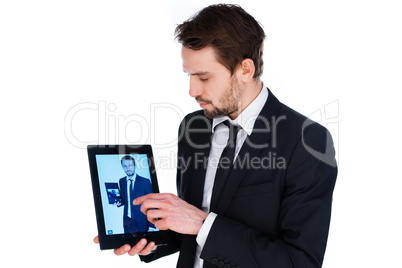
[233, 33]
[127, 157]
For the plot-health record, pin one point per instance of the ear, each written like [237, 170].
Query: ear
[247, 70]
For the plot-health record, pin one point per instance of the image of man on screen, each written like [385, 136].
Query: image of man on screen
[131, 187]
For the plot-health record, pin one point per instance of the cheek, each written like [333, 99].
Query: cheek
[217, 89]
[222, 94]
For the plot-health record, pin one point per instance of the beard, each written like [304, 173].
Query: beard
[230, 101]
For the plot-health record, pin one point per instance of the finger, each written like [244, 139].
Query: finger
[150, 205]
[141, 199]
[96, 240]
[161, 224]
[147, 249]
[122, 250]
[156, 204]
[138, 247]
[157, 196]
[154, 215]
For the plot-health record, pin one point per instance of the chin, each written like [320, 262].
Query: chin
[209, 114]
[215, 113]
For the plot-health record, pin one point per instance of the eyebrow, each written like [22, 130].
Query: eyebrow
[199, 73]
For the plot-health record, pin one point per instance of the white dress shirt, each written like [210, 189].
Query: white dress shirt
[220, 136]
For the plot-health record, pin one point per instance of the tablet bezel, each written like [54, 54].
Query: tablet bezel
[117, 240]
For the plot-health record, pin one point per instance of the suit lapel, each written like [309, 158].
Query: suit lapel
[253, 145]
[197, 185]
[197, 147]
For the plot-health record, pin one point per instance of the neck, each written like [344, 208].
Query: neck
[250, 92]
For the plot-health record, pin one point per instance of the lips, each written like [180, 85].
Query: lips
[202, 103]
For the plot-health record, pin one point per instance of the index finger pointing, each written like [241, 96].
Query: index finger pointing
[156, 196]
[141, 199]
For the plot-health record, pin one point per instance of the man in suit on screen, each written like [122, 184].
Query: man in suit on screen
[131, 187]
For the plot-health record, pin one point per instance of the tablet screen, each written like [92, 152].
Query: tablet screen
[120, 174]
[122, 178]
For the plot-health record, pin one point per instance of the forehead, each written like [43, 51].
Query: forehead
[200, 61]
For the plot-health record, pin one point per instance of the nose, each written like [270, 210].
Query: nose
[195, 88]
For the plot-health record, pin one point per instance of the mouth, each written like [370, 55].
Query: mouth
[202, 103]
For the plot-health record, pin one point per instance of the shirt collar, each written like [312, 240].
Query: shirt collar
[133, 178]
[247, 118]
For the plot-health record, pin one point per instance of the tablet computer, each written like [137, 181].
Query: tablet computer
[119, 174]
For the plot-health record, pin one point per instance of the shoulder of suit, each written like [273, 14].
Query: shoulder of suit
[196, 120]
[138, 177]
[299, 120]
[292, 122]
[197, 115]
[311, 133]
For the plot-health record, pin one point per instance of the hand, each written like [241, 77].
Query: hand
[141, 248]
[167, 211]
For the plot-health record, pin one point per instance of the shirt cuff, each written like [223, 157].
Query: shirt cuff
[205, 228]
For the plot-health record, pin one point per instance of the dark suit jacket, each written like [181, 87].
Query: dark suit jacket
[275, 208]
[142, 186]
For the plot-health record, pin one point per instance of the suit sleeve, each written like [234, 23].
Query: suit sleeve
[303, 221]
[148, 187]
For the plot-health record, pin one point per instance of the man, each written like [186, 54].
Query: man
[254, 177]
[131, 187]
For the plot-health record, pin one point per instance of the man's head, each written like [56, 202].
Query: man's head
[222, 48]
[128, 165]
[233, 33]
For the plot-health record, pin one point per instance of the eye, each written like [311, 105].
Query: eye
[203, 79]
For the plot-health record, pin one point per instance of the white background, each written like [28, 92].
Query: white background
[81, 72]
